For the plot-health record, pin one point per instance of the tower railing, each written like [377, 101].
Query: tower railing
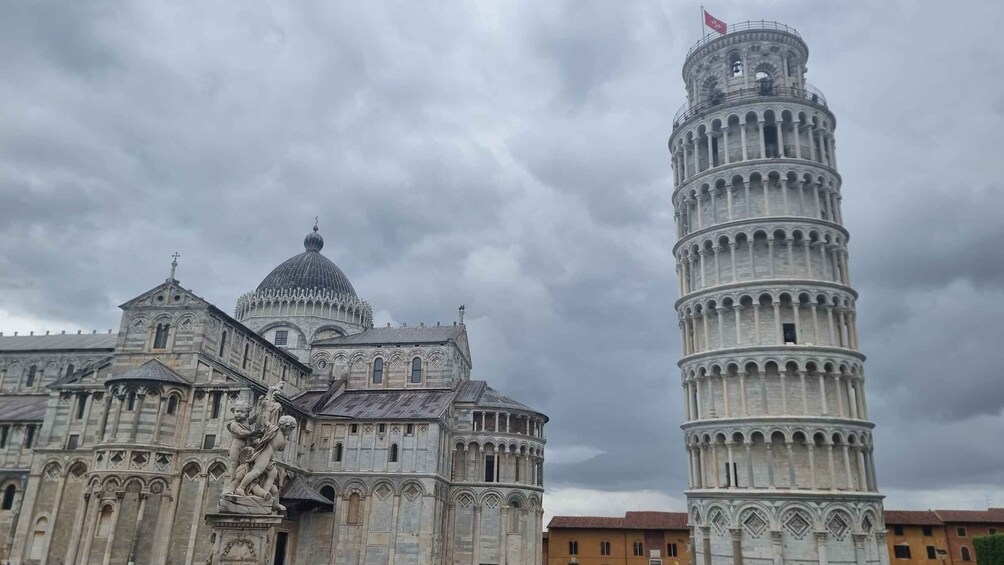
[810, 93]
[743, 26]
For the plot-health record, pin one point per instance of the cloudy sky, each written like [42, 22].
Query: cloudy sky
[511, 157]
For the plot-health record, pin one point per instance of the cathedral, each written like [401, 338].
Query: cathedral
[116, 446]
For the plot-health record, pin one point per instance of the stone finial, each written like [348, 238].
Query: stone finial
[174, 265]
[461, 310]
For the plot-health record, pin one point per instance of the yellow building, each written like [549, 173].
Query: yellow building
[639, 538]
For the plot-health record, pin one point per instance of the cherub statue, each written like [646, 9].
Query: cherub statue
[243, 433]
[268, 409]
[259, 471]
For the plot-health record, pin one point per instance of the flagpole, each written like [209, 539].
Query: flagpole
[703, 31]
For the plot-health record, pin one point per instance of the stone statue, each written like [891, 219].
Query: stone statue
[254, 487]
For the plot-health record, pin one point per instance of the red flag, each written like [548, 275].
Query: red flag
[714, 23]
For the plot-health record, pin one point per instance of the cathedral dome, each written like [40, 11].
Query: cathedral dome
[309, 271]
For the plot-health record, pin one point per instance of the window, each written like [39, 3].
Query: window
[898, 530]
[489, 468]
[604, 548]
[281, 337]
[30, 381]
[160, 337]
[131, 401]
[355, 517]
[790, 336]
[932, 553]
[209, 441]
[217, 399]
[901, 551]
[381, 428]
[247, 356]
[172, 404]
[8, 497]
[992, 531]
[392, 457]
[639, 549]
[573, 548]
[961, 532]
[927, 531]
[409, 429]
[328, 491]
[416, 370]
[3, 436]
[354, 428]
[69, 369]
[105, 522]
[81, 405]
[223, 344]
[338, 452]
[72, 442]
[966, 556]
[377, 371]
[264, 367]
[29, 439]
[37, 543]
[736, 64]
[671, 550]
[514, 517]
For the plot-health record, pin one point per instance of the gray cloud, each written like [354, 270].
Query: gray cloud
[511, 157]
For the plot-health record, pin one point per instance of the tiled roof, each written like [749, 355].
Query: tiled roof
[23, 408]
[912, 518]
[308, 270]
[403, 336]
[299, 491]
[482, 395]
[630, 521]
[389, 404]
[57, 342]
[152, 370]
[989, 515]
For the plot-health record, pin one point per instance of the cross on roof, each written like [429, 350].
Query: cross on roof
[174, 264]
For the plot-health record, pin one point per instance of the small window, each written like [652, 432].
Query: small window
[790, 335]
[3, 436]
[354, 428]
[281, 337]
[209, 441]
[639, 549]
[898, 530]
[961, 532]
[29, 439]
[72, 442]
[392, 457]
[223, 344]
[927, 531]
[160, 337]
[573, 548]
[409, 429]
[381, 428]
[901, 551]
[131, 401]
[217, 400]
[338, 452]
[966, 556]
[328, 491]
[172, 404]
[671, 550]
[264, 368]
[8, 497]
[69, 369]
[247, 356]
[30, 381]
[932, 553]
[81, 405]
[416, 370]
[604, 548]
[377, 371]
[489, 468]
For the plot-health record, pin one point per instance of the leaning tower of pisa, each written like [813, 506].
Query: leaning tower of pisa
[778, 439]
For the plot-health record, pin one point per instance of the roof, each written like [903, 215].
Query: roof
[152, 370]
[57, 342]
[309, 270]
[630, 521]
[484, 396]
[988, 515]
[912, 518]
[403, 335]
[23, 408]
[389, 404]
[299, 491]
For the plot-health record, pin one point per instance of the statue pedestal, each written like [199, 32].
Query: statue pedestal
[243, 539]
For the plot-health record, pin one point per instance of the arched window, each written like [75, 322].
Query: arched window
[966, 556]
[765, 83]
[416, 370]
[573, 547]
[604, 548]
[377, 370]
[104, 528]
[160, 338]
[393, 453]
[172, 404]
[8, 497]
[639, 549]
[223, 343]
[69, 369]
[131, 401]
[355, 517]
[337, 455]
[514, 517]
[37, 542]
[30, 381]
[736, 64]
[328, 491]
